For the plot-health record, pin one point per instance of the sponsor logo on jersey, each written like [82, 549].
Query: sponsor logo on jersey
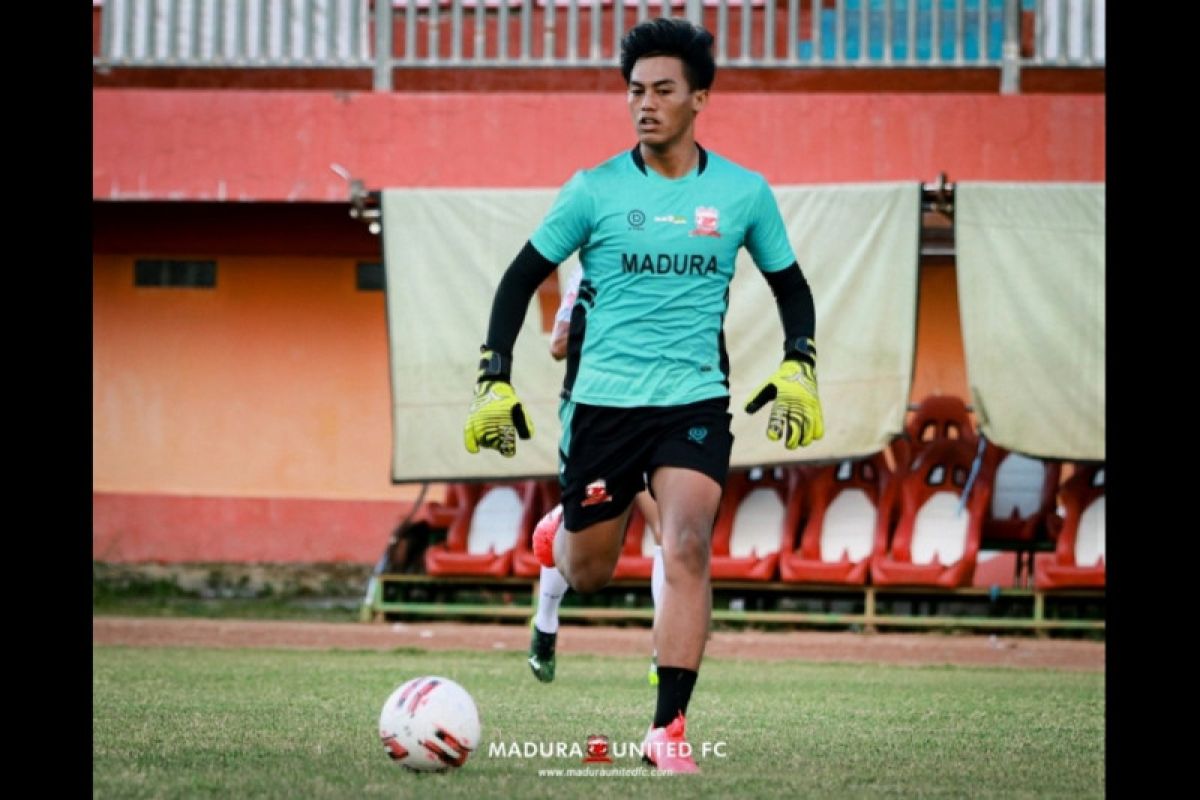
[706, 222]
[669, 264]
[674, 219]
[636, 219]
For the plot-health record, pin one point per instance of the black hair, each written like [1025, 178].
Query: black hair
[671, 36]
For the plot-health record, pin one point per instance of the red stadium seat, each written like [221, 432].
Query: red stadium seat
[1078, 558]
[637, 554]
[525, 563]
[934, 544]
[844, 523]
[1023, 492]
[758, 517]
[938, 416]
[484, 533]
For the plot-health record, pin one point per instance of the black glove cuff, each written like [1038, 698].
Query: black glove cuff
[494, 366]
[800, 349]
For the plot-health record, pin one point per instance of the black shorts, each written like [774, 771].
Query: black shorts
[607, 455]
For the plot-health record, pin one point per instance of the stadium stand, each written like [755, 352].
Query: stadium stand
[844, 523]
[525, 563]
[1078, 560]
[935, 541]
[757, 519]
[637, 554]
[935, 417]
[484, 533]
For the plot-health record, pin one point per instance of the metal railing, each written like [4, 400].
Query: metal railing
[1009, 34]
[235, 33]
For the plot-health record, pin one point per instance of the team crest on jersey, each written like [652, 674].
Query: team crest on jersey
[706, 222]
[596, 493]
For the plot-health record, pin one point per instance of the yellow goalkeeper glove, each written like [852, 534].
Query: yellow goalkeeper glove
[496, 417]
[796, 413]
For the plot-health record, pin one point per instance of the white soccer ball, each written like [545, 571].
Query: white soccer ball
[429, 724]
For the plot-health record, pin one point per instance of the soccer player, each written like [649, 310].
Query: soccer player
[552, 585]
[645, 394]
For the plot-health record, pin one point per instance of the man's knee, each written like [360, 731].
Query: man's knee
[588, 579]
[691, 550]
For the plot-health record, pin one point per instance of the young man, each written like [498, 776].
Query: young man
[552, 586]
[646, 392]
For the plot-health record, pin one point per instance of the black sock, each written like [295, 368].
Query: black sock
[674, 690]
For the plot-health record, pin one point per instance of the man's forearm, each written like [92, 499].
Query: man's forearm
[517, 287]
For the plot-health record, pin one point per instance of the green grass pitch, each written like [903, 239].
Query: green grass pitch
[189, 722]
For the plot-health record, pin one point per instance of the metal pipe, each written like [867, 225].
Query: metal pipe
[747, 22]
[572, 30]
[197, 21]
[793, 32]
[480, 49]
[1010, 50]
[151, 31]
[410, 32]
[241, 33]
[839, 34]
[935, 33]
[456, 19]
[768, 48]
[910, 49]
[597, 23]
[333, 11]
[722, 32]
[286, 46]
[887, 31]
[526, 30]
[618, 26]
[264, 31]
[1086, 39]
[548, 32]
[815, 24]
[1063, 11]
[383, 44]
[309, 27]
[960, 30]
[983, 31]
[864, 30]
[432, 53]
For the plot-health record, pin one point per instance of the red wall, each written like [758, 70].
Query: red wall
[279, 145]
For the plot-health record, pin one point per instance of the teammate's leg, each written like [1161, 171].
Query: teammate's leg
[649, 509]
[552, 586]
[584, 561]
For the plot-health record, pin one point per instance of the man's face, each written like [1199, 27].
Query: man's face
[661, 103]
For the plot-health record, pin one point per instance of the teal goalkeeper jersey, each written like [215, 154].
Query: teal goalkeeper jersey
[658, 255]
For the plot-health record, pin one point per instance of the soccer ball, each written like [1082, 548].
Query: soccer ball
[429, 724]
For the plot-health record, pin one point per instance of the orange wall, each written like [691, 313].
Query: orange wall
[940, 364]
[273, 384]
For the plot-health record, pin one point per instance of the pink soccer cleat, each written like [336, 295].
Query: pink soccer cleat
[543, 536]
[667, 748]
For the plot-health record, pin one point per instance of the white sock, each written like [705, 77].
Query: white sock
[551, 588]
[658, 577]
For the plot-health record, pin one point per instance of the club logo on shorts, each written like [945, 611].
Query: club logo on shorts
[596, 493]
[697, 435]
[706, 222]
